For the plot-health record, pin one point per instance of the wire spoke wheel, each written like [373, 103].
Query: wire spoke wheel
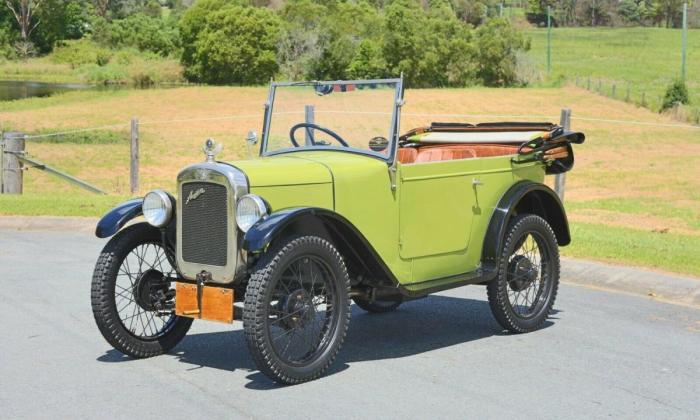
[301, 310]
[132, 300]
[137, 288]
[297, 309]
[526, 275]
[523, 292]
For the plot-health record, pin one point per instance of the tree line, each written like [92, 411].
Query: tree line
[663, 13]
[434, 43]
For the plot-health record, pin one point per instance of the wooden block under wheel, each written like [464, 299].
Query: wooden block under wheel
[217, 302]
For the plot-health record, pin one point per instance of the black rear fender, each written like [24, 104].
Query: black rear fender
[523, 197]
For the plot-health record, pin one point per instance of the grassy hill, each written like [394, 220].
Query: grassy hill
[633, 197]
[643, 59]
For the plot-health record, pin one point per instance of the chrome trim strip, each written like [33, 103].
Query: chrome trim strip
[236, 185]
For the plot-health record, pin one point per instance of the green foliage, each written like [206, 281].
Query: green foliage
[432, 42]
[59, 20]
[497, 44]
[147, 33]
[368, 61]
[676, 93]
[191, 24]
[80, 52]
[236, 44]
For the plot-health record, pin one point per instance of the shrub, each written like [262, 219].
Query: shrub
[147, 33]
[80, 52]
[676, 93]
[497, 44]
[236, 44]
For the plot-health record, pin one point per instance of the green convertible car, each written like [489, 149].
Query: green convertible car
[338, 206]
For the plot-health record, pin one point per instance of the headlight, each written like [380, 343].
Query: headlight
[157, 208]
[249, 210]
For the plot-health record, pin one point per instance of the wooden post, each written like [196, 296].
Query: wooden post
[134, 167]
[560, 179]
[614, 87]
[12, 175]
[309, 119]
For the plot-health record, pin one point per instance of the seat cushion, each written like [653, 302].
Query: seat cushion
[433, 154]
[407, 155]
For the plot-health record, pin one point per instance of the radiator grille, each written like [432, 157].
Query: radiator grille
[204, 223]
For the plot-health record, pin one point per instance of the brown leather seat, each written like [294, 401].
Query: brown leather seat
[433, 154]
[407, 155]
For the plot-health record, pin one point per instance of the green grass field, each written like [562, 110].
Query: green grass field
[633, 196]
[645, 59]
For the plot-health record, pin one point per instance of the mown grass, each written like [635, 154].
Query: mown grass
[641, 183]
[643, 59]
[59, 204]
[665, 251]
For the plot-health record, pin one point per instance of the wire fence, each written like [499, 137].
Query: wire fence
[502, 117]
[129, 134]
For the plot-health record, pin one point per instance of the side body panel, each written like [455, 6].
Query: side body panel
[363, 196]
[361, 193]
[486, 179]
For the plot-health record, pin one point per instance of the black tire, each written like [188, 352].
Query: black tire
[283, 281]
[114, 261]
[518, 274]
[378, 306]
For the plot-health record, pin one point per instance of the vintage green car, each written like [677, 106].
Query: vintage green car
[338, 206]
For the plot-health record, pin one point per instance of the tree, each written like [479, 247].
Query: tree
[497, 43]
[236, 44]
[23, 11]
[101, 7]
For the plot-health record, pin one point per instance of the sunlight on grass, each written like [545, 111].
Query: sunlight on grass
[666, 251]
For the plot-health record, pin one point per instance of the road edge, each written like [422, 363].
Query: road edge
[674, 288]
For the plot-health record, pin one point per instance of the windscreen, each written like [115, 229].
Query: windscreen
[319, 115]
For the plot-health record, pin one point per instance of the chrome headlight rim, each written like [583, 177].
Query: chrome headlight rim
[161, 216]
[259, 206]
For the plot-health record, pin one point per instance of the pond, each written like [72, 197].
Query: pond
[21, 89]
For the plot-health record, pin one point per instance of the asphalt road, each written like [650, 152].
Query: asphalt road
[603, 354]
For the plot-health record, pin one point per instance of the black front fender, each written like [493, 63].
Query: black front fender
[264, 231]
[118, 217]
[360, 257]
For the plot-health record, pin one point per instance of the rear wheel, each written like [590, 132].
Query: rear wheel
[522, 295]
[132, 301]
[297, 309]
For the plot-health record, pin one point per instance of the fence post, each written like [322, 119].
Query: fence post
[134, 167]
[12, 175]
[560, 179]
[309, 119]
[614, 87]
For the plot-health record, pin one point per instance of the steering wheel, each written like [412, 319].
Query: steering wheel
[328, 131]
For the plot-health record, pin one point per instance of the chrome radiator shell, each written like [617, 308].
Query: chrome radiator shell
[236, 185]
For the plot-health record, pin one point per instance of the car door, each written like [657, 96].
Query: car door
[437, 207]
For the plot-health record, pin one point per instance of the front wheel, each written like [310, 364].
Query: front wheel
[132, 300]
[522, 295]
[297, 309]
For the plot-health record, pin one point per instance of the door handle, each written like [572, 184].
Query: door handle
[476, 182]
